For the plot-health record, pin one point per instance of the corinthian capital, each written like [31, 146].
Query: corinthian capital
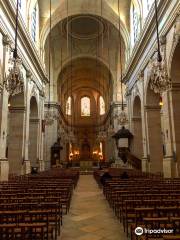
[6, 41]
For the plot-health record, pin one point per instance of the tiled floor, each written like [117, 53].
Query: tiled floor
[90, 217]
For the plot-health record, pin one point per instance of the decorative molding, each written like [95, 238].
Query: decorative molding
[141, 76]
[17, 109]
[176, 39]
[6, 41]
[28, 74]
[152, 108]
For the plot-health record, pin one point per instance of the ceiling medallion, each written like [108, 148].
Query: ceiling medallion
[84, 27]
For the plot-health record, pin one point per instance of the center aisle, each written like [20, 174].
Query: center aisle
[90, 217]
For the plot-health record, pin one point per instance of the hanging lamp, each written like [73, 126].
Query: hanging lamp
[111, 125]
[14, 80]
[122, 119]
[102, 133]
[159, 79]
[49, 118]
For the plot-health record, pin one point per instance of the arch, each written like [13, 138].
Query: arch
[60, 15]
[33, 133]
[137, 146]
[15, 133]
[84, 69]
[154, 130]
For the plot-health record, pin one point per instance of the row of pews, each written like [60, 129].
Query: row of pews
[144, 200]
[32, 206]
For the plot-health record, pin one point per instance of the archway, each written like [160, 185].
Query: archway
[16, 117]
[175, 95]
[137, 128]
[154, 131]
[33, 133]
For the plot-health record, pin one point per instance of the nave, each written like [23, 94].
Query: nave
[90, 217]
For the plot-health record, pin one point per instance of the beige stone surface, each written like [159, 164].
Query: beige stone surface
[90, 217]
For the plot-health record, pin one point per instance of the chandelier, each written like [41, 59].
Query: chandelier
[122, 117]
[159, 79]
[14, 79]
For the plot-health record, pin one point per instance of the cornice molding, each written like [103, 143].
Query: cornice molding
[146, 37]
[8, 7]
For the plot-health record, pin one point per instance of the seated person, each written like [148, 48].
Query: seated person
[106, 176]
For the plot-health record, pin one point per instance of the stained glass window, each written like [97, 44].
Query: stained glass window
[20, 3]
[147, 6]
[135, 23]
[68, 106]
[101, 106]
[34, 22]
[85, 107]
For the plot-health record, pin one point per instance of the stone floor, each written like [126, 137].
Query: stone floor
[90, 217]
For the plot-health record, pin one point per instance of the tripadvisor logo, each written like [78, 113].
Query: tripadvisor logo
[139, 231]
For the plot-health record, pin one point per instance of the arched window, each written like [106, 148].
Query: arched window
[135, 22]
[147, 6]
[34, 22]
[22, 9]
[85, 107]
[69, 106]
[101, 106]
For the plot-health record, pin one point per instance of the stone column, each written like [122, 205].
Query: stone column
[27, 165]
[41, 134]
[154, 138]
[4, 56]
[168, 161]
[33, 142]
[145, 158]
[137, 141]
[51, 135]
[16, 137]
[174, 103]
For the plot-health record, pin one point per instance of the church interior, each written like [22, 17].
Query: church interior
[89, 119]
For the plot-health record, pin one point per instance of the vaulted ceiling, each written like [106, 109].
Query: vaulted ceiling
[85, 45]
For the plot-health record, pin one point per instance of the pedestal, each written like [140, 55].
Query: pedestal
[170, 167]
[27, 167]
[4, 169]
[41, 165]
[145, 164]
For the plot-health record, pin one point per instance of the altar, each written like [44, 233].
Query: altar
[86, 164]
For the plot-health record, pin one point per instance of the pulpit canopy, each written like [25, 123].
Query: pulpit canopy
[123, 138]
